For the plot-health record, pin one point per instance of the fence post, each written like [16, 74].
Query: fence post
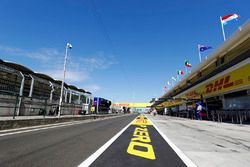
[240, 116]
[218, 116]
[232, 116]
[45, 108]
[14, 114]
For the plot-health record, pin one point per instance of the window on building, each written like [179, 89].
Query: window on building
[222, 60]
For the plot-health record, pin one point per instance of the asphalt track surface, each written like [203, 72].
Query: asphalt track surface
[70, 145]
[118, 154]
[65, 146]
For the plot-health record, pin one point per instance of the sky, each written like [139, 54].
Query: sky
[124, 51]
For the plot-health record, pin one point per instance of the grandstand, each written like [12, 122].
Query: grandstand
[25, 92]
[221, 83]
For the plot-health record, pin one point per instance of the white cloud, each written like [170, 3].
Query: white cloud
[43, 54]
[99, 61]
[53, 57]
[10, 50]
[93, 88]
[71, 76]
[51, 62]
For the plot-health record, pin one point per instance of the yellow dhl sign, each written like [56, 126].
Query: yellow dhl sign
[230, 81]
[141, 139]
[171, 103]
[142, 105]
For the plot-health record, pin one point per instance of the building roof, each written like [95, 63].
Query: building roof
[27, 71]
[235, 40]
[44, 76]
[17, 67]
[72, 87]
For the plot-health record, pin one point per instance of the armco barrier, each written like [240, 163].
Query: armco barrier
[18, 123]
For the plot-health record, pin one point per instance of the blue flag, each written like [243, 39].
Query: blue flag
[202, 48]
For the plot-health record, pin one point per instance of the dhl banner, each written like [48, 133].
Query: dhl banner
[171, 103]
[228, 82]
[233, 80]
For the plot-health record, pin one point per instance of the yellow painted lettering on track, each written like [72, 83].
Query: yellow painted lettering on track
[140, 143]
[141, 120]
[141, 129]
[144, 139]
[140, 133]
[149, 153]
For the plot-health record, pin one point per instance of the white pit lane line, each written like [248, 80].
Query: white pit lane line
[96, 154]
[183, 157]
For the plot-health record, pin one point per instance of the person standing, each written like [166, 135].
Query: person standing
[198, 111]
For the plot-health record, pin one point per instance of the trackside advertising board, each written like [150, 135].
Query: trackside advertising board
[235, 79]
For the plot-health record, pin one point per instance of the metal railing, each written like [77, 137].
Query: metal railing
[236, 116]
[11, 104]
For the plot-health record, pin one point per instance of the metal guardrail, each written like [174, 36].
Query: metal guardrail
[45, 110]
[236, 116]
[14, 104]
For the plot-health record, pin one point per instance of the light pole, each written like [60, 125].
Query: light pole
[68, 46]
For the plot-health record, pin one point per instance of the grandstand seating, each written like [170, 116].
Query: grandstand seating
[44, 95]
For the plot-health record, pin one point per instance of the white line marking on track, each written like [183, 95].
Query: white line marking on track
[37, 126]
[183, 157]
[96, 154]
[37, 129]
[49, 126]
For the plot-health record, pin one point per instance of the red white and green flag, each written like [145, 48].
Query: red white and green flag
[179, 72]
[187, 64]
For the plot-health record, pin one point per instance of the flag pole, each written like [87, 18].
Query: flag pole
[222, 27]
[199, 52]
[186, 69]
[239, 28]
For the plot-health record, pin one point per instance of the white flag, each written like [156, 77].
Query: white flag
[173, 78]
[169, 83]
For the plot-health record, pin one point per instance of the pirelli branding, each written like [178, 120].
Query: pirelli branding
[140, 144]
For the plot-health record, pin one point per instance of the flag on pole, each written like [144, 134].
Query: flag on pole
[69, 46]
[228, 18]
[202, 48]
[225, 20]
[165, 88]
[179, 72]
[187, 64]
[173, 78]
